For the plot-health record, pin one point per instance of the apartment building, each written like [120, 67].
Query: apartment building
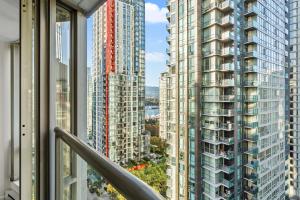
[119, 79]
[230, 61]
[163, 105]
[293, 189]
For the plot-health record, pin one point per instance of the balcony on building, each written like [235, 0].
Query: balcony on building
[251, 136]
[253, 124]
[210, 37]
[251, 68]
[168, 15]
[251, 54]
[210, 6]
[250, 83]
[212, 21]
[227, 36]
[229, 66]
[251, 189]
[219, 98]
[211, 52]
[228, 82]
[251, 40]
[210, 68]
[251, 111]
[251, 25]
[227, 21]
[252, 177]
[218, 137]
[168, 4]
[252, 164]
[250, 98]
[251, 10]
[168, 51]
[227, 5]
[220, 152]
[228, 51]
[226, 193]
[253, 151]
[168, 27]
[218, 112]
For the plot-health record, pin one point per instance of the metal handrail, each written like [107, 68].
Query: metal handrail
[127, 184]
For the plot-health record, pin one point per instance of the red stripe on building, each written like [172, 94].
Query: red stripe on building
[110, 61]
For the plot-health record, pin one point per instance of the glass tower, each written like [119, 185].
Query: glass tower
[293, 137]
[119, 80]
[230, 63]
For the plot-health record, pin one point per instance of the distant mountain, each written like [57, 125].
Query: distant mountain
[152, 92]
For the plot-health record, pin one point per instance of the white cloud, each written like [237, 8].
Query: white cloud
[155, 57]
[154, 14]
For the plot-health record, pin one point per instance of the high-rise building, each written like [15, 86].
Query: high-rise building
[230, 61]
[167, 123]
[163, 105]
[119, 79]
[293, 189]
[89, 101]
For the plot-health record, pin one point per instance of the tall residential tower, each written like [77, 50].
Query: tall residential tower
[230, 60]
[293, 165]
[119, 79]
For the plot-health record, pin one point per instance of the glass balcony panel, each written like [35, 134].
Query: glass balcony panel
[252, 39]
[227, 21]
[227, 5]
[251, 83]
[227, 36]
[228, 51]
[251, 25]
[227, 67]
[251, 98]
[251, 68]
[251, 10]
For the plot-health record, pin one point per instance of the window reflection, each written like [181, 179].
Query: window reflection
[63, 85]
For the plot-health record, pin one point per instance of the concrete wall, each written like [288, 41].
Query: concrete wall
[4, 117]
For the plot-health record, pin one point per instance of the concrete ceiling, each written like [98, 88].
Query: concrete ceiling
[9, 20]
[86, 6]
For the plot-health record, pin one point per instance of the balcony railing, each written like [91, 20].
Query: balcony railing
[227, 5]
[253, 164]
[228, 183]
[253, 190]
[227, 36]
[252, 40]
[123, 181]
[251, 11]
[224, 6]
[251, 25]
[251, 83]
[227, 67]
[251, 136]
[219, 126]
[251, 98]
[253, 177]
[219, 112]
[228, 51]
[251, 124]
[251, 68]
[219, 98]
[227, 20]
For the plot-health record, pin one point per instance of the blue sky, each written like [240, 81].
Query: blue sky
[155, 41]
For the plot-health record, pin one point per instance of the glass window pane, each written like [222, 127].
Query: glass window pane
[63, 86]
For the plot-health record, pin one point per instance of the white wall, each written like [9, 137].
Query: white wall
[4, 116]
